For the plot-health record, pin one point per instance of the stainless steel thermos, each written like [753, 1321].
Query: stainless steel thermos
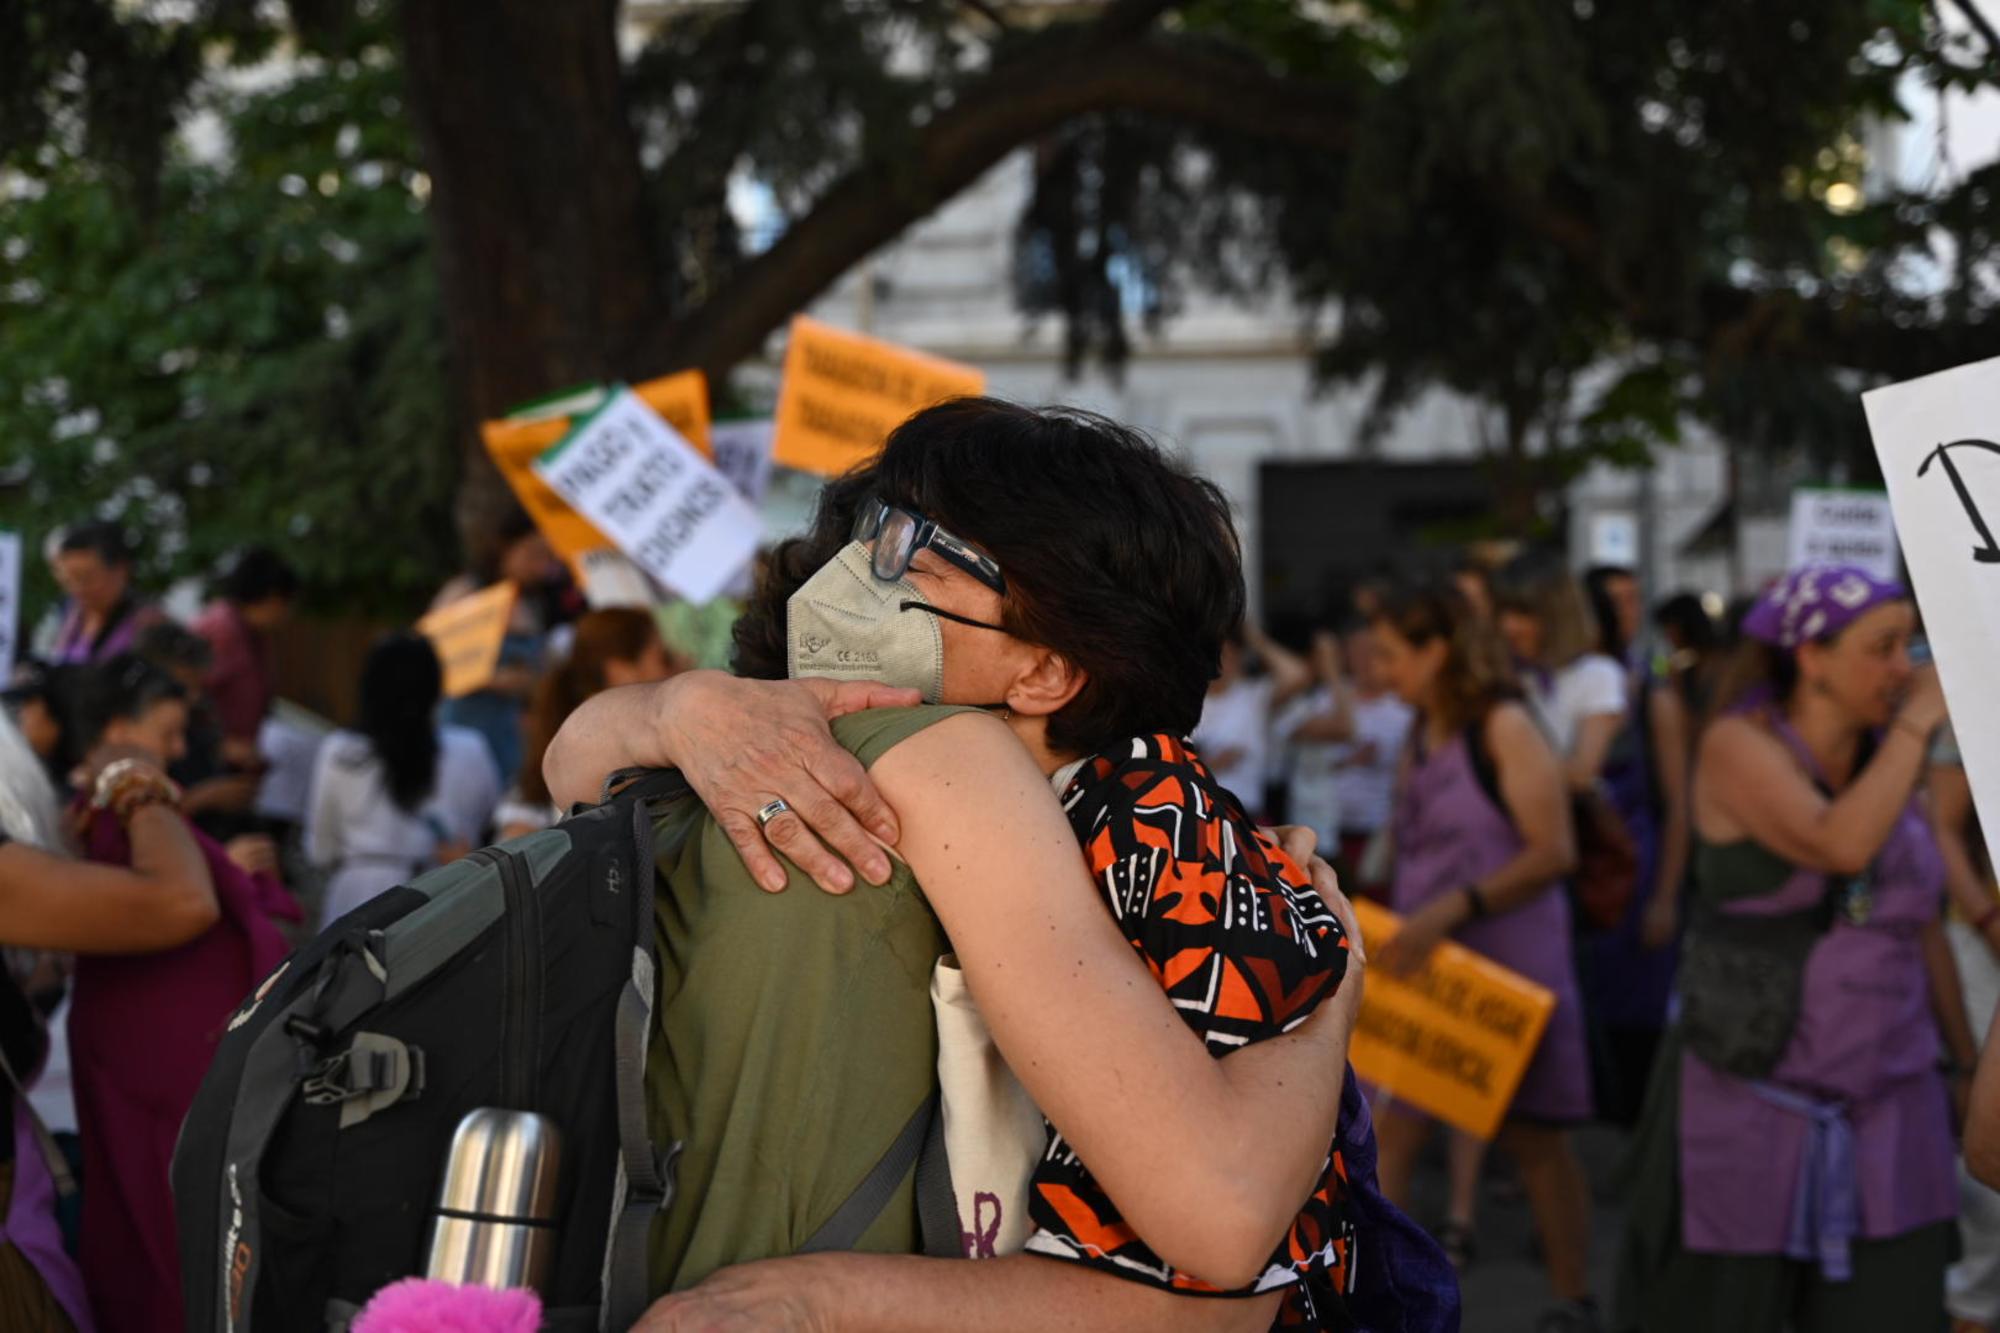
[495, 1223]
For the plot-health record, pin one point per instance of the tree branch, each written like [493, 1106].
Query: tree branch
[1044, 84]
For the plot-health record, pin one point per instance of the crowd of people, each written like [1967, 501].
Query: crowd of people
[165, 840]
[1738, 849]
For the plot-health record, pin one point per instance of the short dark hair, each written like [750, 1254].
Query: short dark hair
[1115, 555]
[174, 647]
[100, 537]
[257, 574]
[125, 686]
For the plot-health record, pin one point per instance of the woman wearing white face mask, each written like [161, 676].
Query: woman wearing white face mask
[1093, 635]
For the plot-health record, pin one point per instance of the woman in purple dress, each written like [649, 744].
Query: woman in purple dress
[1794, 1165]
[1483, 840]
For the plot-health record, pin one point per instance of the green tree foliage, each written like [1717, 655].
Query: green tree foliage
[1593, 216]
[243, 345]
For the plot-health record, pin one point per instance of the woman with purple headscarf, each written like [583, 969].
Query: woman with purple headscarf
[1794, 1166]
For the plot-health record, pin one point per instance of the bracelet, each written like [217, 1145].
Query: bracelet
[1475, 905]
[150, 794]
[128, 783]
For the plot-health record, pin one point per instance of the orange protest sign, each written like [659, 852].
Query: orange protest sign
[467, 635]
[1454, 1038]
[516, 442]
[844, 392]
[514, 447]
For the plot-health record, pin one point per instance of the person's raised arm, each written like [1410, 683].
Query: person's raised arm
[1537, 801]
[165, 899]
[741, 744]
[1752, 783]
[1291, 674]
[1208, 1160]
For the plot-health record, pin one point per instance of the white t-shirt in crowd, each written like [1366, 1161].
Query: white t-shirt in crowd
[1236, 723]
[1314, 792]
[1368, 768]
[1591, 685]
[372, 844]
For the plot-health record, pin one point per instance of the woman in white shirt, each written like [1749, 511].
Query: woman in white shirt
[398, 793]
[1579, 693]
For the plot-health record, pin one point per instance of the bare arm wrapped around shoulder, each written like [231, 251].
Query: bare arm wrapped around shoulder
[1209, 1160]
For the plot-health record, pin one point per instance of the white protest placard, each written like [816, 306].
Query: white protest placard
[1614, 540]
[1938, 439]
[1836, 527]
[743, 454]
[10, 600]
[653, 494]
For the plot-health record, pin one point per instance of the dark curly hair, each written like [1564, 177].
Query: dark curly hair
[1115, 555]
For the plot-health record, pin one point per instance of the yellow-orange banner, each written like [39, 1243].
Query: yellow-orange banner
[467, 634]
[1454, 1038]
[514, 445]
[844, 392]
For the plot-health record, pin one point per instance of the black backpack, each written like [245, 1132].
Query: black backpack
[521, 976]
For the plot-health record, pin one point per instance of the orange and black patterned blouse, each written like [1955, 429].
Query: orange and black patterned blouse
[1234, 932]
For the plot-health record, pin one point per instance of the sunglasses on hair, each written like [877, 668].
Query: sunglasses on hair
[899, 533]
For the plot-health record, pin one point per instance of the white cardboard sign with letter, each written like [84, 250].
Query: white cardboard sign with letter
[1938, 439]
[1835, 527]
[651, 492]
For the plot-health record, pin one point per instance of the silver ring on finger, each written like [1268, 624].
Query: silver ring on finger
[770, 810]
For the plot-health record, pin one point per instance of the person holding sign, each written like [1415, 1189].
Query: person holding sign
[1795, 1158]
[1482, 841]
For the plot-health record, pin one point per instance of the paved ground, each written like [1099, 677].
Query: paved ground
[1505, 1291]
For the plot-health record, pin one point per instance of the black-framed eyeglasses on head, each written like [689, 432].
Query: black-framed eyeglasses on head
[899, 533]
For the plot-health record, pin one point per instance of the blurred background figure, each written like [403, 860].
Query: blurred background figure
[143, 1027]
[519, 554]
[1310, 731]
[1258, 675]
[1793, 1167]
[1482, 842]
[608, 648]
[252, 598]
[102, 615]
[1367, 764]
[1577, 689]
[401, 791]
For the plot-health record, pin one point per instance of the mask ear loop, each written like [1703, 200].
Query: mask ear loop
[953, 615]
[1005, 710]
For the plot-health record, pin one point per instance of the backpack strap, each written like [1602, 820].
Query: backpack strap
[937, 1204]
[645, 1181]
[45, 1142]
[1484, 771]
[919, 1145]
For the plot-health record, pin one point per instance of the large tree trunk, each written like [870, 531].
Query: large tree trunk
[544, 249]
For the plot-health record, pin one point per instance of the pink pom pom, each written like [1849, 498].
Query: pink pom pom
[426, 1305]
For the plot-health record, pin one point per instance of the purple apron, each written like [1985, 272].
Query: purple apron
[30, 1225]
[1851, 1135]
[1448, 835]
[120, 635]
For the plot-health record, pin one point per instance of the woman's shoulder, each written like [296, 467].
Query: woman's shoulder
[873, 732]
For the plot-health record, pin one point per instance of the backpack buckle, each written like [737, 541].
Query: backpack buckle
[373, 1073]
